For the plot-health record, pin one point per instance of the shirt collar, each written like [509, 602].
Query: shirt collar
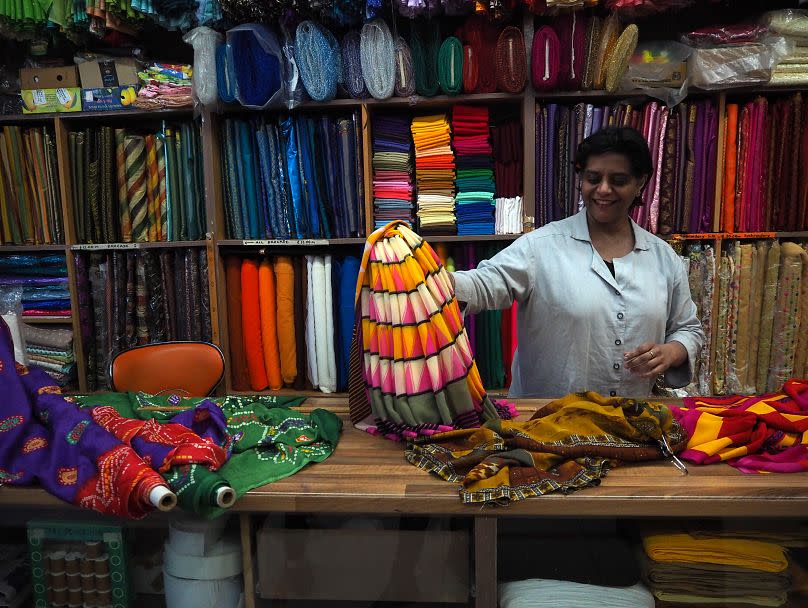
[580, 231]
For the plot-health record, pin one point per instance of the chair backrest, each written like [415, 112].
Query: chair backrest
[193, 369]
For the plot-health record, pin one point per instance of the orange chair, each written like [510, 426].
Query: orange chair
[193, 369]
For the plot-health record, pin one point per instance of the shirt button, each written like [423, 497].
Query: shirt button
[616, 292]
[618, 342]
[616, 366]
[612, 393]
[619, 315]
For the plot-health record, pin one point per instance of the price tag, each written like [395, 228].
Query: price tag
[285, 242]
[105, 246]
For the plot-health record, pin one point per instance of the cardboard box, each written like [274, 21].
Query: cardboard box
[117, 98]
[42, 101]
[49, 78]
[108, 74]
[364, 565]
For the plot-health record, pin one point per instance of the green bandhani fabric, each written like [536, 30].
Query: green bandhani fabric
[271, 441]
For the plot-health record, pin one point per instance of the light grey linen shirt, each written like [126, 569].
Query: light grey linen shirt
[575, 319]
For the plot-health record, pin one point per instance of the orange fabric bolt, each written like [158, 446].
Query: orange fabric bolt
[285, 298]
[269, 324]
[239, 375]
[251, 325]
[730, 168]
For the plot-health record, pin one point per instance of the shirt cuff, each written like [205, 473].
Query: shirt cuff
[681, 375]
[463, 288]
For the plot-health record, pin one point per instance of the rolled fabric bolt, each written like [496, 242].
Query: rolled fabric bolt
[162, 498]
[60, 597]
[94, 548]
[88, 582]
[87, 566]
[72, 563]
[225, 497]
[58, 580]
[101, 565]
[102, 583]
[74, 581]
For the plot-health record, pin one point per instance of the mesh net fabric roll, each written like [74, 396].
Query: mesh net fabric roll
[415, 373]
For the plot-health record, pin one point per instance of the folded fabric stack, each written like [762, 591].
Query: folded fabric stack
[475, 170]
[292, 177]
[506, 142]
[434, 174]
[165, 86]
[544, 593]
[392, 170]
[52, 350]
[290, 321]
[42, 280]
[138, 185]
[793, 26]
[683, 570]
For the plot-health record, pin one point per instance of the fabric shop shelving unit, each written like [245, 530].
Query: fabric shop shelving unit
[216, 242]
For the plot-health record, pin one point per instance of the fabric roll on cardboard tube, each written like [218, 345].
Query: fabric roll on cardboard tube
[162, 498]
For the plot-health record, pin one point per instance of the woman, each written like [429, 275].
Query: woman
[603, 304]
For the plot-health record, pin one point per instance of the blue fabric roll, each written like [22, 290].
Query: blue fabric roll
[349, 271]
[295, 183]
[270, 223]
[252, 227]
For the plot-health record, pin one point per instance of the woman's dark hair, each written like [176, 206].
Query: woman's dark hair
[621, 140]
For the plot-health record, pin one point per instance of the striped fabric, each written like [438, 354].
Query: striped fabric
[417, 366]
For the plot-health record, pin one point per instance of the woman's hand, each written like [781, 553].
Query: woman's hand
[649, 360]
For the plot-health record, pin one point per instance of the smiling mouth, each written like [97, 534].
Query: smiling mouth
[603, 203]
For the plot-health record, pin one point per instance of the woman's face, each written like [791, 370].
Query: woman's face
[609, 187]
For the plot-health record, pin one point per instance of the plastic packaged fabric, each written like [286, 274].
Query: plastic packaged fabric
[11, 312]
[659, 69]
[737, 65]
[792, 23]
[257, 65]
[204, 40]
[715, 35]
[293, 85]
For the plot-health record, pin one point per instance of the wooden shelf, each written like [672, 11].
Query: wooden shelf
[154, 245]
[46, 320]
[288, 242]
[11, 119]
[31, 248]
[471, 238]
[288, 392]
[709, 236]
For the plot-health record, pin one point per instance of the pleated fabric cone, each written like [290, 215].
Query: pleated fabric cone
[416, 364]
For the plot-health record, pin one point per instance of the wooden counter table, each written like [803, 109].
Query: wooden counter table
[369, 475]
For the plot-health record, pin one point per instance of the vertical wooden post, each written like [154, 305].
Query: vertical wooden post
[528, 135]
[245, 521]
[367, 168]
[216, 226]
[62, 136]
[485, 561]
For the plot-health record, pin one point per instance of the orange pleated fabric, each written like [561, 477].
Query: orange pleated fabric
[251, 325]
[239, 375]
[269, 324]
[285, 298]
[730, 168]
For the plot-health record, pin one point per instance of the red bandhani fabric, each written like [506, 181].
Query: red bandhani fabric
[162, 446]
[755, 434]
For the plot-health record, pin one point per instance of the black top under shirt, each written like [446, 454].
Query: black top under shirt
[610, 266]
